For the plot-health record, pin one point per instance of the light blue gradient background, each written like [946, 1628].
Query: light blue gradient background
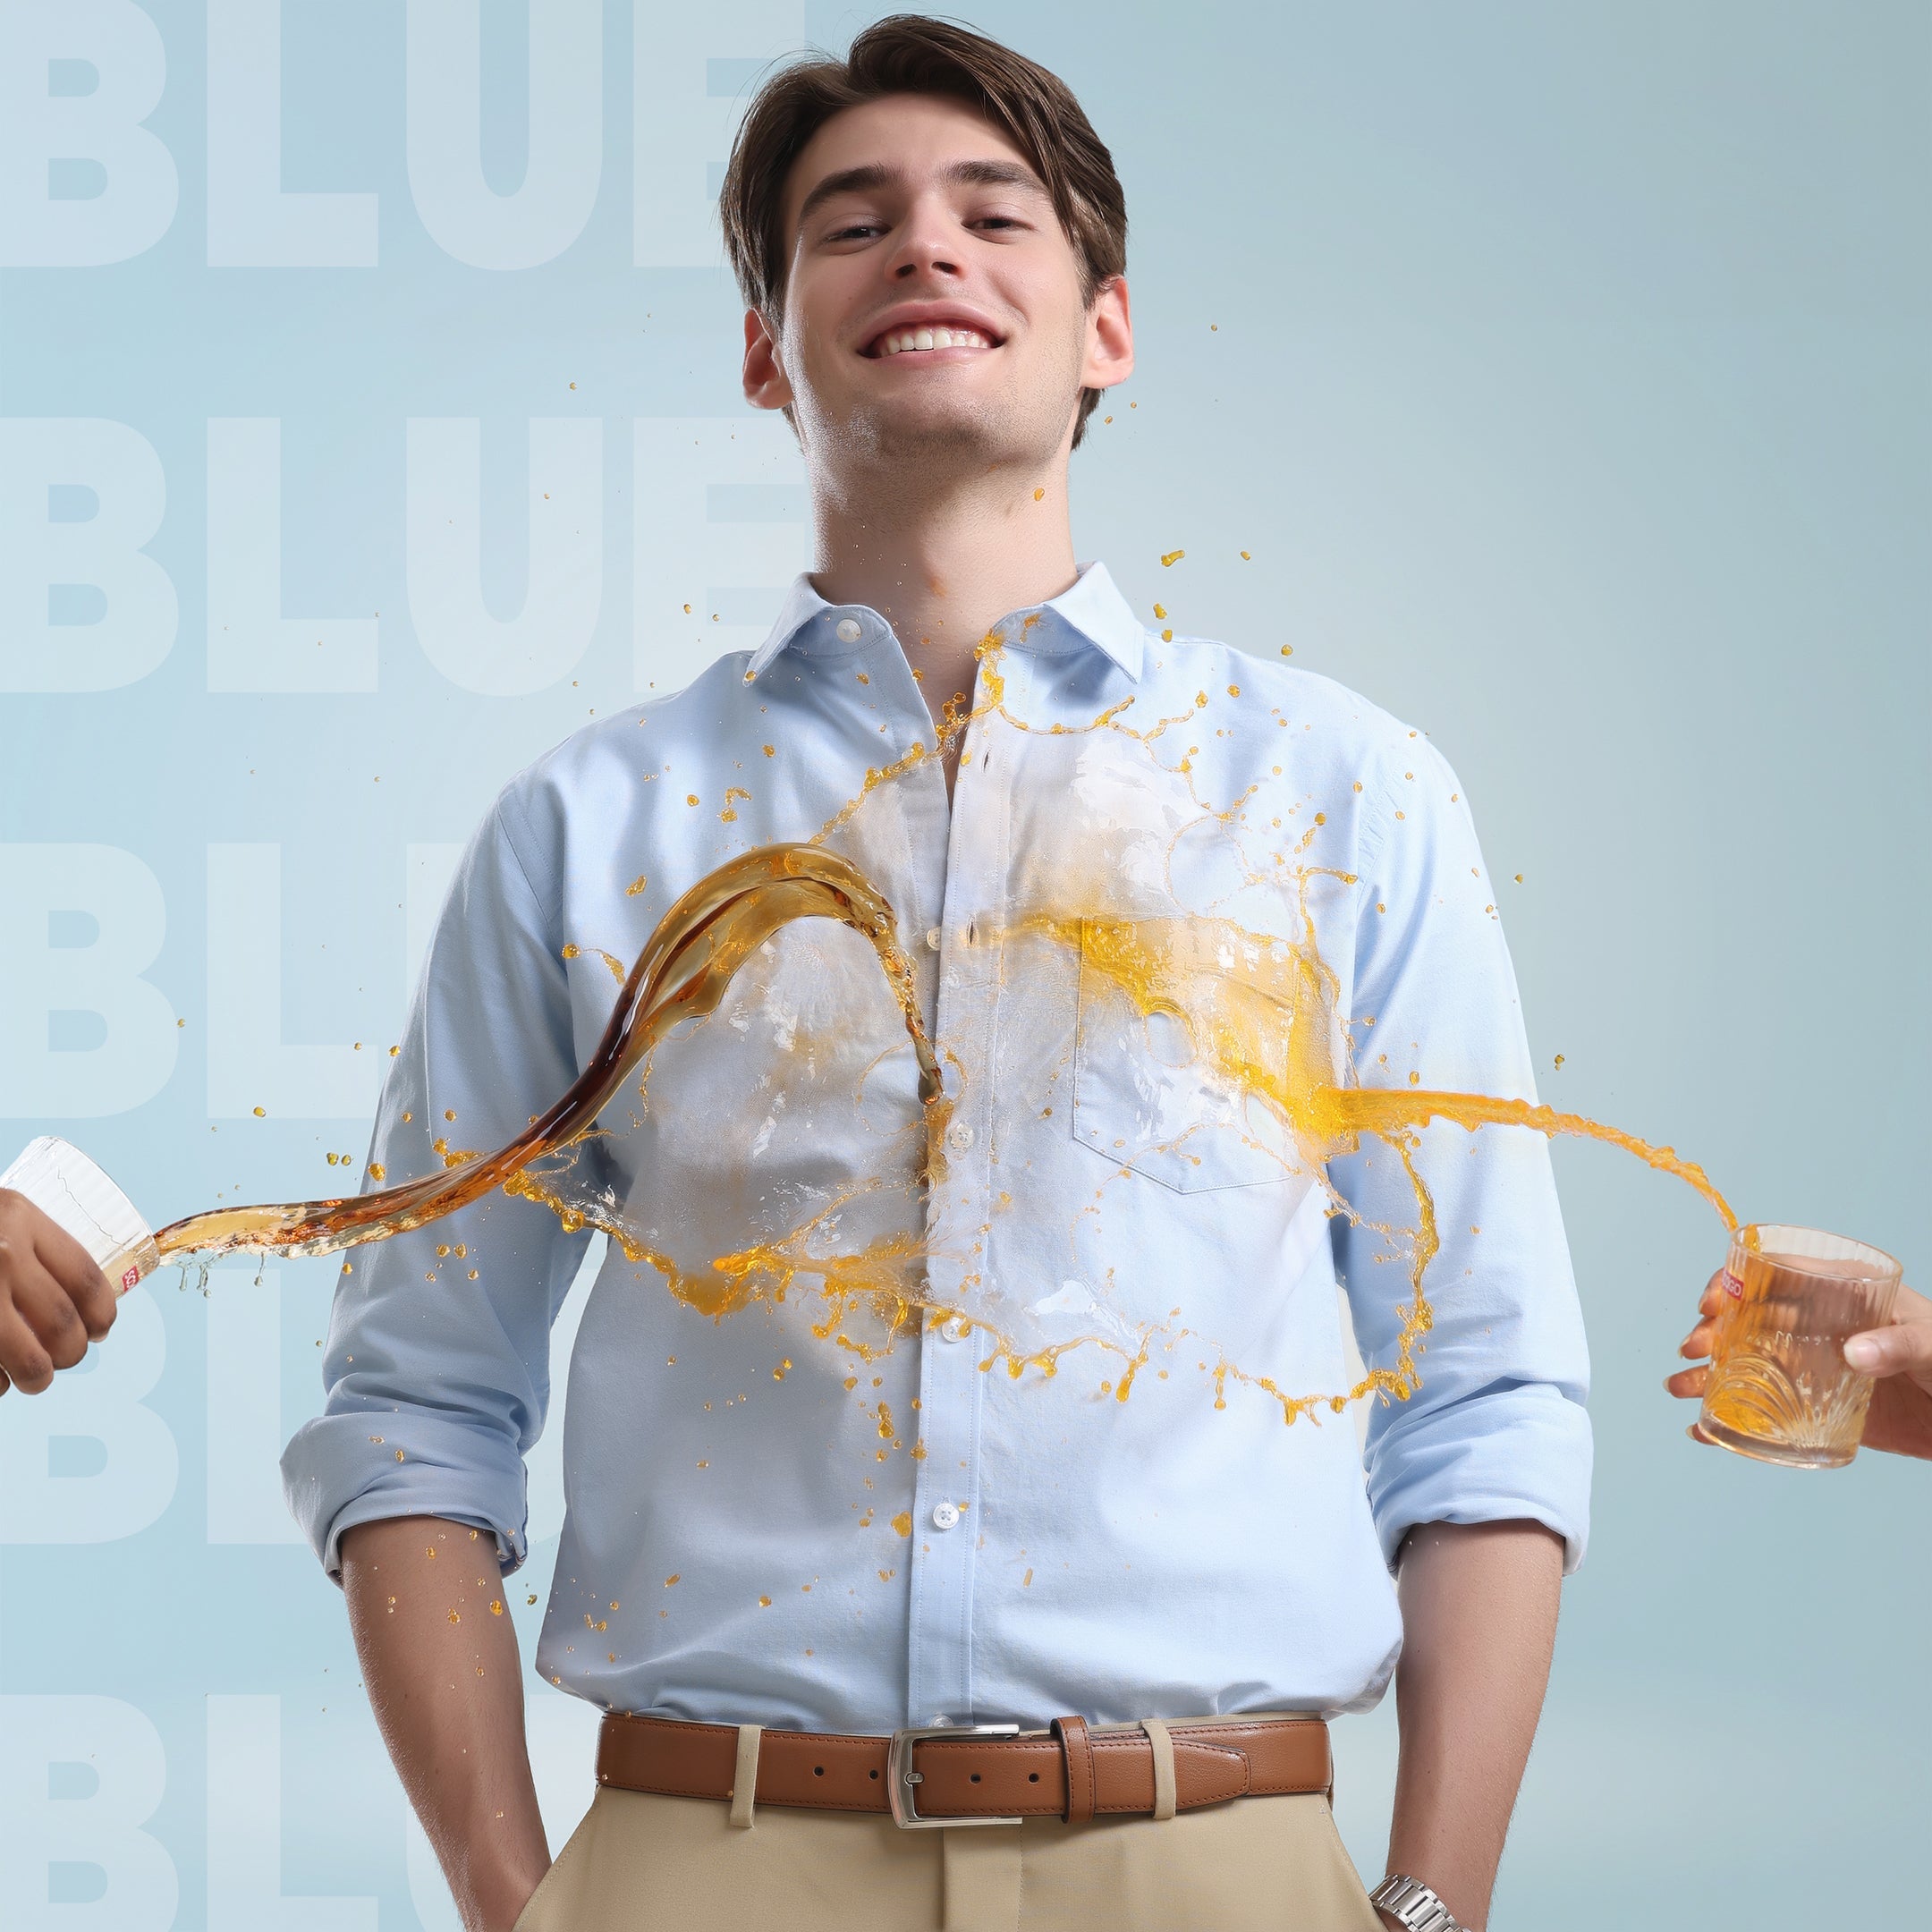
[1565, 371]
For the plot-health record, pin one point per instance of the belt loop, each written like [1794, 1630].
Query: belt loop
[1077, 1747]
[1164, 1772]
[744, 1780]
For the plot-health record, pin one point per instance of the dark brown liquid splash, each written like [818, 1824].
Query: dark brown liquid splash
[684, 971]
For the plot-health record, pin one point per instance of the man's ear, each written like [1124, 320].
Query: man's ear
[766, 384]
[1109, 336]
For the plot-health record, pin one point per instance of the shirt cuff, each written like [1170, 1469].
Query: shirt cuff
[339, 1470]
[1522, 1451]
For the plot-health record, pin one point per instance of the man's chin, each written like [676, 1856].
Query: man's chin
[940, 434]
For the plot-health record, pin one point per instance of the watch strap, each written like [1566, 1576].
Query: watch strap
[1412, 1904]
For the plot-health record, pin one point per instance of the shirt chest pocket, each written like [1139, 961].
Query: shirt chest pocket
[1177, 1049]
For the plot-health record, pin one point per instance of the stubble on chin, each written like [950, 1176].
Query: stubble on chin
[912, 451]
[922, 442]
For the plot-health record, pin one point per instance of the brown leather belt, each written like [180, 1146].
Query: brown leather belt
[976, 1774]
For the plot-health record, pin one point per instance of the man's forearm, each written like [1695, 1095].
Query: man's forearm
[1478, 1603]
[439, 1661]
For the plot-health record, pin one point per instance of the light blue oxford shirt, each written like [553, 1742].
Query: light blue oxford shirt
[874, 1536]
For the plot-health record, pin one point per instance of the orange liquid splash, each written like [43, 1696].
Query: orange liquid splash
[1261, 1011]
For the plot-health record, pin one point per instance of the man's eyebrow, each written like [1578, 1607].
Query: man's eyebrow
[849, 181]
[995, 174]
[875, 174]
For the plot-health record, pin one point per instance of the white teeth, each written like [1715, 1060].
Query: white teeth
[902, 340]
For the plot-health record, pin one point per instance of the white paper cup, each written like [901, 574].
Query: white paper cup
[74, 1194]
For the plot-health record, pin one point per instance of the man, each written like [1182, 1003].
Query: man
[989, 1417]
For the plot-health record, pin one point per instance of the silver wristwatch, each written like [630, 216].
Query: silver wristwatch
[1411, 1902]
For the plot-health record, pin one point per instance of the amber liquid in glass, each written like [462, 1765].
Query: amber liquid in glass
[1780, 1387]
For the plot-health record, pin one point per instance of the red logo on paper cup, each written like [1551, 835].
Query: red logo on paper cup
[129, 1279]
[1734, 1287]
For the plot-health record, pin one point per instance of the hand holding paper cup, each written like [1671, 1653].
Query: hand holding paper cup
[70, 1243]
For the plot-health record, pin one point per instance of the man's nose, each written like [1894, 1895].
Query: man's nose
[933, 263]
[927, 247]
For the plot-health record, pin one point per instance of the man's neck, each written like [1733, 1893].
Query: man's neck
[943, 567]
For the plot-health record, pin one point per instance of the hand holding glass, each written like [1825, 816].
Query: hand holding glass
[1778, 1386]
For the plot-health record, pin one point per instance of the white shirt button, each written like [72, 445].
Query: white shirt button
[954, 1330]
[848, 630]
[932, 937]
[959, 1136]
[946, 1516]
[940, 1722]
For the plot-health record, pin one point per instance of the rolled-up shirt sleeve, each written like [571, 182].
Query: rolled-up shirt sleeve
[437, 1363]
[1497, 1428]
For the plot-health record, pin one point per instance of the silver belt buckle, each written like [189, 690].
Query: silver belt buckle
[902, 1781]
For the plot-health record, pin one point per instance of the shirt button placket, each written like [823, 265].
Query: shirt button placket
[946, 1488]
[947, 1491]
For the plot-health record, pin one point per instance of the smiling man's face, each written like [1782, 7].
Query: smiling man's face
[933, 307]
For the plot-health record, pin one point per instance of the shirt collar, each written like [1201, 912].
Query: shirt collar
[1091, 610]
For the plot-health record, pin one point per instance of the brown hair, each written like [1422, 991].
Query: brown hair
[913, 54]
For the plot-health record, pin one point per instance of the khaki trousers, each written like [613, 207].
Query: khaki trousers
[640, 1863]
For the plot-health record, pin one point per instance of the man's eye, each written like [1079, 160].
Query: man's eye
[854, 231]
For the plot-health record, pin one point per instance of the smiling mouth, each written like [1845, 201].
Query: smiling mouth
[923, 339]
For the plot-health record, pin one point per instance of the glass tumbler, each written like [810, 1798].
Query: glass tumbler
[1780, 1388]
